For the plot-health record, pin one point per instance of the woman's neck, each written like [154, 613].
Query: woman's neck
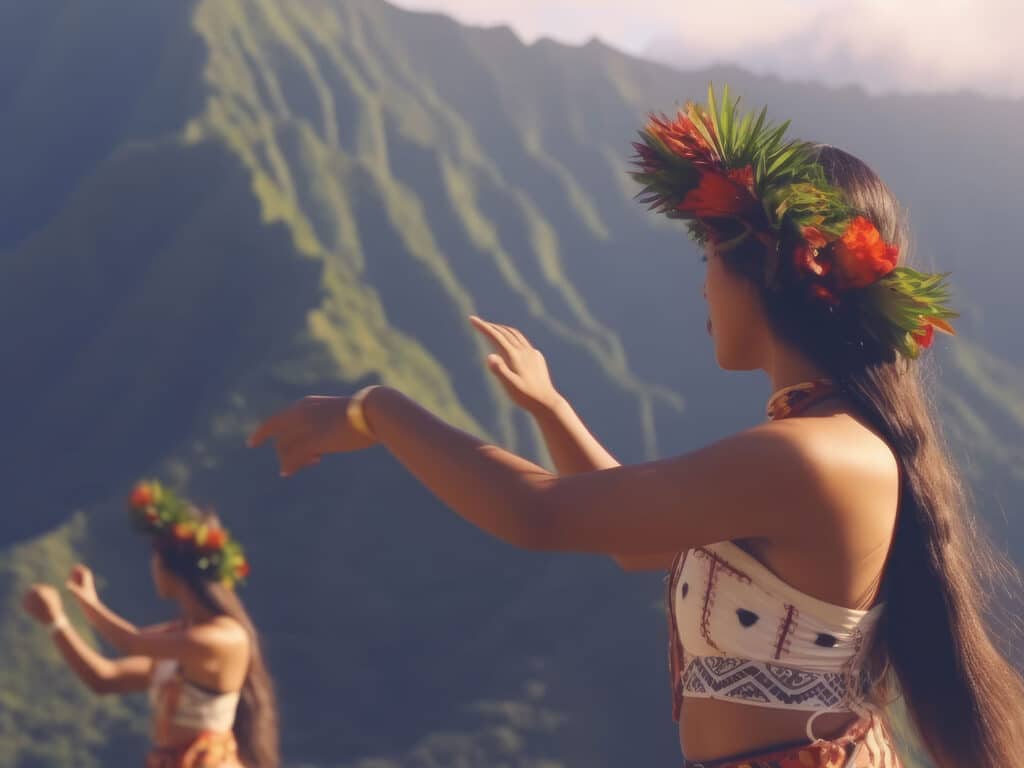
[786, 367]
[193, 610]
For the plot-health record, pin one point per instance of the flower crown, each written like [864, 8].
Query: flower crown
[177, 529]
[726, 172]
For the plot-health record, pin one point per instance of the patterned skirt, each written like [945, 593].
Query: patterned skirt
[207, 750]
[866, 744]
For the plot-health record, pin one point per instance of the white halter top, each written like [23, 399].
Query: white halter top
[191, 706]
[740, 633]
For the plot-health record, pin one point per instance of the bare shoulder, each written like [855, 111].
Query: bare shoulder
[835, 441]
[853, 472]
[221, 633]
[773, 479]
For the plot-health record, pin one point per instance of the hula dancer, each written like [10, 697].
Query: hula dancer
[212, 698]
[819, 563]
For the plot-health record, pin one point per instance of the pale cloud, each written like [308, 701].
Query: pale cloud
[923, 45]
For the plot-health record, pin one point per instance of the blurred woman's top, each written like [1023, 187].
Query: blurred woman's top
[176, 701]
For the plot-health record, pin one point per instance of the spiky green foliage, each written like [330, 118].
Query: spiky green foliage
[904, 303]
[741, 141]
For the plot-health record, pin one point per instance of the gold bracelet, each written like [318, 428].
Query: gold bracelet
[58, 625]
[354, 412]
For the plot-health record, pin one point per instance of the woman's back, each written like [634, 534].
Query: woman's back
[836, 555]
[201, 693]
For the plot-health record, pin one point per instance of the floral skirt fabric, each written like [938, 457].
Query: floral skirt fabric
[207, 750]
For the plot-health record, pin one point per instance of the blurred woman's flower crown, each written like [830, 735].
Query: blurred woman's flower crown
[178, 530]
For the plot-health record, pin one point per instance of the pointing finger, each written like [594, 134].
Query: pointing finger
[269, 428]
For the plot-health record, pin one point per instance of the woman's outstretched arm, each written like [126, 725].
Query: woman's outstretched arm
[102, 675]
[188, 644]
[760, 483]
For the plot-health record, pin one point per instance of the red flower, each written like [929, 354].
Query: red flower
[925, 336]
[242, 570]
[862, 256]
[151, 515]
[719, 197]
[142, 496]
[215, 538]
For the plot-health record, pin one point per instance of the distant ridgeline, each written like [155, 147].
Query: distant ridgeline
[211, 208]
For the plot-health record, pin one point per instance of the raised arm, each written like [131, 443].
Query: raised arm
[761, 483]
[100, 674]
[523, 373]
[190, 645]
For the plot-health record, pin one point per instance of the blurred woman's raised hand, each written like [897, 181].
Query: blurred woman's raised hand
[42, 602]
[82, 585]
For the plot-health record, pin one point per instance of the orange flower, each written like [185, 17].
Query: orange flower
[718, 197]
[862, 256]
[242, 570]
[925, 336]
[215, 538]
[142, 496]
[183, 531]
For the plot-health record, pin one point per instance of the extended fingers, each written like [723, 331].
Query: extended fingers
[295, 454]
[499, 339]
[270, 428]
[518, 335]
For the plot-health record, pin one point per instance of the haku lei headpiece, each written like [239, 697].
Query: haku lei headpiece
[724, 171]
[176, 528]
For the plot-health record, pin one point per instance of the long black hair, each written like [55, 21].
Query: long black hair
[966, 700]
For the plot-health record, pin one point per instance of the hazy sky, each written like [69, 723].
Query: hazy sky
[881, 44]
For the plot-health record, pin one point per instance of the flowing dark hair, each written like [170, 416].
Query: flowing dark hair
[935, 640]
[256, 722]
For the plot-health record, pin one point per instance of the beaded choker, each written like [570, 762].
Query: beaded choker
[797, 398]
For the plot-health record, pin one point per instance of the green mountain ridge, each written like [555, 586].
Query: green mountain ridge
[269, 199]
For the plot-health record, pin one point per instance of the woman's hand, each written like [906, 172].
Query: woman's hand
[519, 367]
[309, 429]
[42, 602]
[82, 585]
